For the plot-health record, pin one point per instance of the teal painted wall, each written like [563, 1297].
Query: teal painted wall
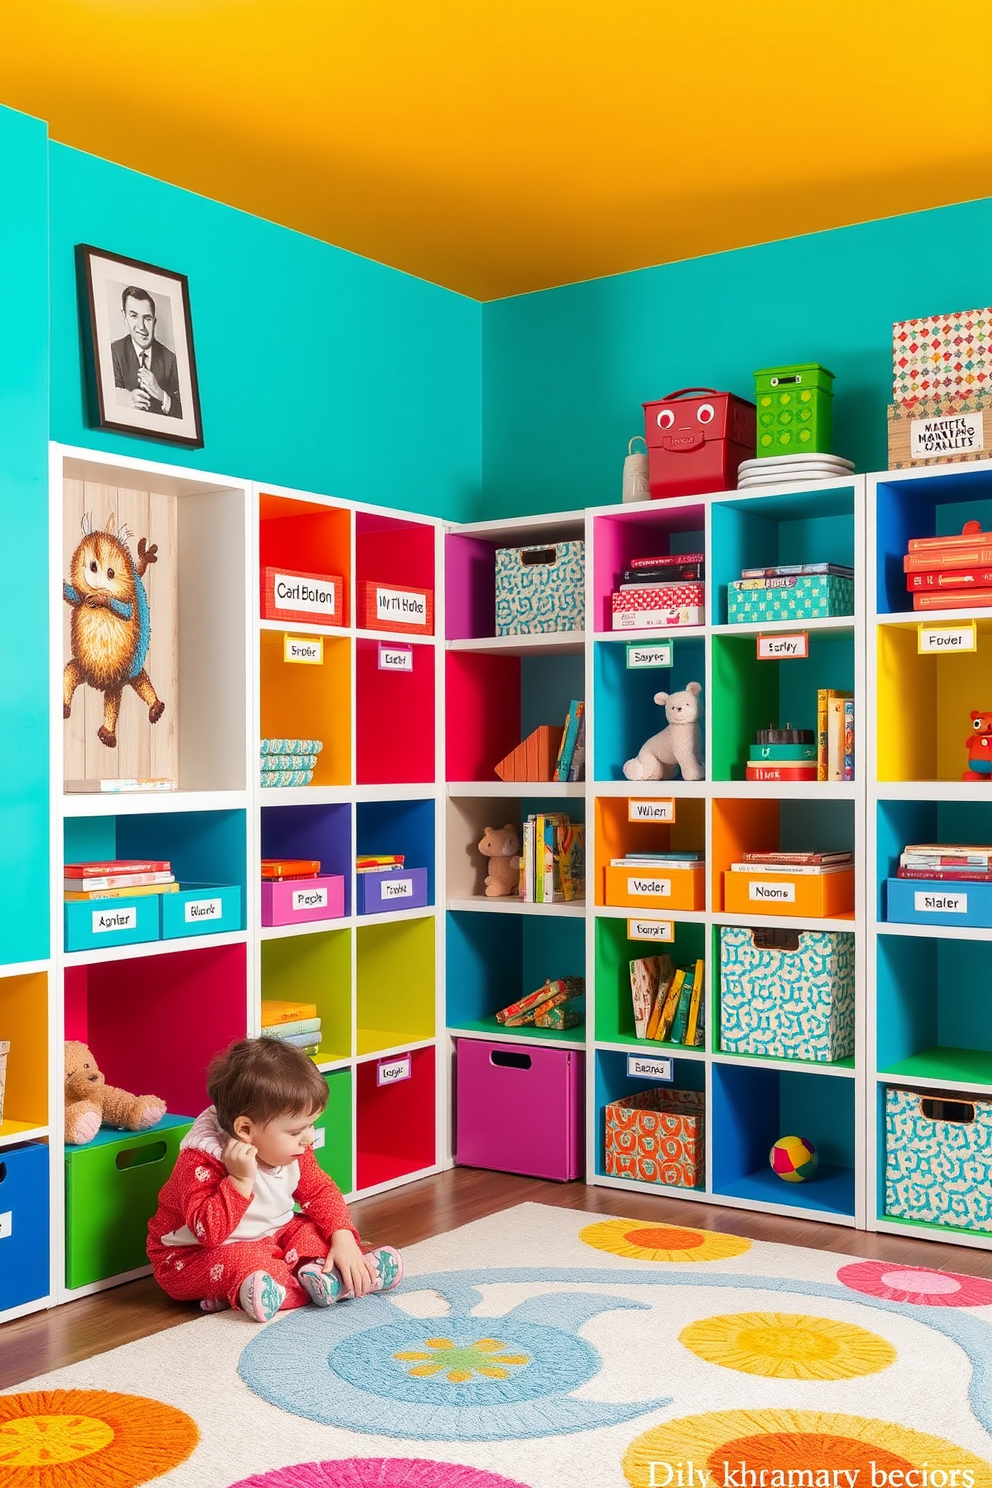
[566, 370]
[24, 862]
[318, 369]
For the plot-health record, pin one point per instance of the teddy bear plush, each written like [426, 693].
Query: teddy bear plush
[91, 1103]
[680, 743]
[501, 846]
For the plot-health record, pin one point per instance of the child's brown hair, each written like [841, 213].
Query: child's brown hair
[262, 1079]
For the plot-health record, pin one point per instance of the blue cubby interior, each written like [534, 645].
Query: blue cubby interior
[405, 827]
[613, 1083]
[752, 1108]
[547, 686]
[929, 506]
[933, 994]
[493, 959]
[902, 822]
[322, 832]
[766, 530]
[626, 713]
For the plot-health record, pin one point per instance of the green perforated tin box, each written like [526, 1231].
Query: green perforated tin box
[796, 597]
[794, 406]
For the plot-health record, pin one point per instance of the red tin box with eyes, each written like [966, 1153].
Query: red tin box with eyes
[696, 439]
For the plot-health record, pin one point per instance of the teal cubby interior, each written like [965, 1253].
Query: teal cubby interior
[626, 713]
[495, 959]
[749, 694]
[933, 506]
[614, 1083]
[762, 531]
[934, 1011]
[405, 827]
[902, 822]
[753, 1107]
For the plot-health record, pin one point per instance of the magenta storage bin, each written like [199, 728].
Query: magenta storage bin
[404, 889]
[519, 1109]
[303, 899]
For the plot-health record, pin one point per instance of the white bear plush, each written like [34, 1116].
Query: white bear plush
[681, 743]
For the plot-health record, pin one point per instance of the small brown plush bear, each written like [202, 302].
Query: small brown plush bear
[91, 1103]
[501, 846]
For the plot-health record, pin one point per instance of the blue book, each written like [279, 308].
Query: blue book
[568, 741]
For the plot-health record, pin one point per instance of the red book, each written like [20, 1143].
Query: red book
[970, 532]
[780, 772]
[961, 875]
[953, 599]
[114, 867]
[951, 578]
[972, 556]
[669, 562]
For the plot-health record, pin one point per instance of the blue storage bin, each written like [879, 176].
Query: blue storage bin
[24, 1224]
[402, 888]
[201, 909]
[932, 901]
[98, 923]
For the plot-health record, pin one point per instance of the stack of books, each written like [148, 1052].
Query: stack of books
[558, 1004]
[782, 754]
[659, 592]
[962, 863]
[379, 862]
[288, 761]
[668, 1001]
[120, 878]
[282, 870]
[801, 863]
[950, 573]
[680, 858]
[293, 1023]
[834, 735]
[552, 859]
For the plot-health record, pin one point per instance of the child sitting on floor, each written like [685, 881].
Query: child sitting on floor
[225, 1232]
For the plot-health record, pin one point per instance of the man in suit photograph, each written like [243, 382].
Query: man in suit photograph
[143, 366]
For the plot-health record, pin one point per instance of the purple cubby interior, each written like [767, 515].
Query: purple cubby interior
[322, 832]
[470, 587]
[661, 531]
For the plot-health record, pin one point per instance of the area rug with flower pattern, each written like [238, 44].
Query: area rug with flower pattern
[542, 1348]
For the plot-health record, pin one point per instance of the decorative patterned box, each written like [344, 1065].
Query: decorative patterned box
[794, 408]
[658, 605]
[540, 589]
[399, 607]
[935, 431]
[794, 597]
[938, 1157]
[787, 994]
[656, 1136]
[942, 356]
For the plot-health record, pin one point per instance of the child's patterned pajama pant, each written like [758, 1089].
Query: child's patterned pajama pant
[190, 1273]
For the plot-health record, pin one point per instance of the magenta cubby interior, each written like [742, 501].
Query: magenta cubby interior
[493, 703]
[470, 572]
[155, 1022]
[393, 550]
[394, 723]
[322, 832]
[395, 1123]
[659, 531]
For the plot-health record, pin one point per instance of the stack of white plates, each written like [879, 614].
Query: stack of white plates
[780, 470]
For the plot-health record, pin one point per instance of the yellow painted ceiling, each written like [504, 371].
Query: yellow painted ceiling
[501, 146]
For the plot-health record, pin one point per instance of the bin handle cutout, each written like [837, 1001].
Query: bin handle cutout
[139, 1157]
[510, 1059]
[961, 1112]
[539, 555]
[765, 938]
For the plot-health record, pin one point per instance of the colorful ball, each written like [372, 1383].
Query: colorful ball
[793, 1158]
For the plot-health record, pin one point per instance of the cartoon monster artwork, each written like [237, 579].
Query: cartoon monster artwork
[110, 628]
[979, 747]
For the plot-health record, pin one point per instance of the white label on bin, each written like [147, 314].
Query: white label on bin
[650, 929]
[196, 910]
[395, 658]
[653, 811]
[768, 893]
[105, 920]
[319, 1137]
[639, 1068]
[6, 1224]
[389, 1071]
[659, 888]
[936, 638]
[394, 604]
[309, 899]
[397, 888]
[293, 593]
[925, 903]
[309, 652]
[953, 434]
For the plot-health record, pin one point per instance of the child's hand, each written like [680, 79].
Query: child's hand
[240, 1160]
[357, 1273]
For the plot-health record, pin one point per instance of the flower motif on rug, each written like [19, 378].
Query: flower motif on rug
[920, 1284]
[788, 1345]
[89, 1438]
[647, 1242]
[378, 1472]
[483, 1356]
[816, 1447]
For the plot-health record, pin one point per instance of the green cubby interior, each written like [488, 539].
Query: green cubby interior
[334, 1152]
[314, 968]
[495, 959]
[749, 694]
[933, 1009]
[614, 952]
[395, 984]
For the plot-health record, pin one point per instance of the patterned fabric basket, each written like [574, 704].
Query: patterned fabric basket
[787, 994]
[656, 1136]
[938, 1157]
[540, 589]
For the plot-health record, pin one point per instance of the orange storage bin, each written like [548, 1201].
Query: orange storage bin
[656, 888]
[812, 896]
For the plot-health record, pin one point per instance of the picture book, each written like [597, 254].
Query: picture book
[645, 977]
[663, 1030]
[695, 1003]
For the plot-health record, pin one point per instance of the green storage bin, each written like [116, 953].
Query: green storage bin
[111, 1192]
[333, 1146]
[794, 409]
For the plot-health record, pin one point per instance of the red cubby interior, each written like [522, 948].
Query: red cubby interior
[482, 720]
[390, 550]
[395, 1123]
[155, 1022]
[394, 724]
[305, 537]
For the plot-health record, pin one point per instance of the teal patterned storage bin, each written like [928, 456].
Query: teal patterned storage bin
[796, 597]
[787, 994]
[938, 1157]
[540, 589]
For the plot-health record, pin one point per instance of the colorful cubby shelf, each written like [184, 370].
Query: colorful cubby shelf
[408, 765]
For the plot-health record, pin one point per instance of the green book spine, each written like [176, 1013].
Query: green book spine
[759, 752]
[681, 1018]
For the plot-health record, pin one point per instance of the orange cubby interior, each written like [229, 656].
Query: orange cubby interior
[615, 835]
[309, 702]
[305, 537]
[24, 1024]
[741, 825]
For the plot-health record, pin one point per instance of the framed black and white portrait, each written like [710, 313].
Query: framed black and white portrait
[142, 371]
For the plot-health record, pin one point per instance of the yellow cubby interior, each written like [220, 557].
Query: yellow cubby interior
[925, 702]
[395, 984]
[314, 968]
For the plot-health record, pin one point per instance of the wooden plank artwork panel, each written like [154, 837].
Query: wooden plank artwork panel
[143, 749]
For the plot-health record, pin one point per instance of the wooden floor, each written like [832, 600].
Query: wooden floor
[64, 1335]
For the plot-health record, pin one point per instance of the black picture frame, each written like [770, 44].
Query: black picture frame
[137, 341]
